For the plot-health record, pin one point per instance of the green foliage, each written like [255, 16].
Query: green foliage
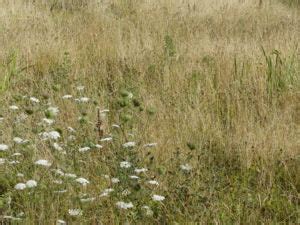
[170, 48]
[292, 3]
[280, 75]
[9, 69]
[60, 72]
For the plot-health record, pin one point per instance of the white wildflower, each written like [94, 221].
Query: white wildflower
[104, 111]
[54, 135]
[84, 149]
[12, 218]
[43, 162]
[106, 176]
[149, 212]
[57, 181]
[57, 147]
[141, 170]
[71, 129]
[82, 99]
[153, 182]
[98, 146]
[70, 175]
[19, 140]
[2, 161]
[126, 192]
[150, 145]
[16, 154]
[48, 121]
[53, 110]
[186, 167]
[75, 212]
[31, 184]
[106, 139]
[60, 222]
[14, 162]
[125, 164]
[20, 118]
[3, 147]
[59, 172]
[67, 96]
[129, 144]
[115, 126]
[115, 180]
[20, 186]
[82, 181]
[106, 192]
[34, 99]
[158, 198]
[14, 107]
[134, 177]
[60, 191]
[124, 205]
[130, 95]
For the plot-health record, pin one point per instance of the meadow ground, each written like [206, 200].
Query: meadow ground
[154, 112]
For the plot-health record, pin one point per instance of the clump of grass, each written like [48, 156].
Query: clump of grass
[108, 117]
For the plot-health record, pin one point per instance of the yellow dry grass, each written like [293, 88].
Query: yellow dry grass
[199, 63]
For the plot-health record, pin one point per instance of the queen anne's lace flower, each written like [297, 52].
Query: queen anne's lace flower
[75, 212]
[31, 184]
[115, 180]
[106, 192]
[124, 205]
[125, 164]
[54, 135]
[34, 99]
[129, 144]
[82, 181]
[13, 107]
[2, 161]
[158, 198]
[84, 149]
[61, 222]
[153, 182]
[53, 110]
[82, 99]
[106, 139]
[19, 140]
[186, 167]
[141, 170]
[67, 96]
[43, 162]
[70, 175]
[150, 145]
[20, 186]
[48, 121]
[98, 146]
[3, 147]
[57, 147]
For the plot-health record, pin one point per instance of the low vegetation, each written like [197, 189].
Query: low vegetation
[154, 112]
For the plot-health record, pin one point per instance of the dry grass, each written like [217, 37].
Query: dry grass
[221, 76]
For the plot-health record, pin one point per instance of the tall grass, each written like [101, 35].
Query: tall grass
[214, 83]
